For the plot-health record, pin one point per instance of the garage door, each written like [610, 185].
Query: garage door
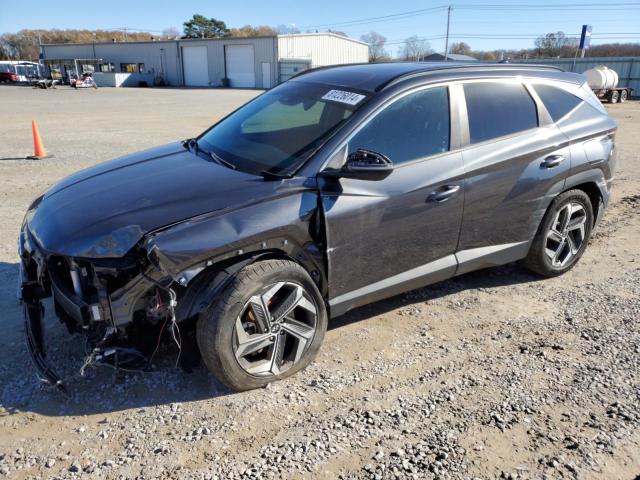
[240, 65]
[196, 67]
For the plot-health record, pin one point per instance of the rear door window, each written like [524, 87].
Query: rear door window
[557, 101]
[498, 109]
[411, 128]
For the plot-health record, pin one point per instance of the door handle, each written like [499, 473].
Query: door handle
[552, 161]
[444, 193]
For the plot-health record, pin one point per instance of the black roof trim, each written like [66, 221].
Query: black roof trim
[391, 76]
[479, 67]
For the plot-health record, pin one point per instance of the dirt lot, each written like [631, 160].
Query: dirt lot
[495, 374]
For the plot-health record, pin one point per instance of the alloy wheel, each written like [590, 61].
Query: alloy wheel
[274, 329]
[566, 236]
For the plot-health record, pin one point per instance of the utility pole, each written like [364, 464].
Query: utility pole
[446, 42]
[126, 39]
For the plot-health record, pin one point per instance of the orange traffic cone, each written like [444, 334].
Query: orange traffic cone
[38, 147]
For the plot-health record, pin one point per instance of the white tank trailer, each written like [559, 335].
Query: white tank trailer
[604, 83]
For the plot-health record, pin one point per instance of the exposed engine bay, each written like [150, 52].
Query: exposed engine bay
[117, 304]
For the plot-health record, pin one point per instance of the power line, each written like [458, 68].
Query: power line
[611, 36]
[479, 7]
[548, 6]
[410, 13]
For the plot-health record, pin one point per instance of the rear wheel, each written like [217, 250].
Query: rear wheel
[563, 235]
[623, 96]
[266, 325]
[613, 96]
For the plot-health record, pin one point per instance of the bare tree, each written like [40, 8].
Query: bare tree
[283, 29]
[461, 48]
[555, 44]
[415, 48]
[485, 55]
[614, 50]
[251, 31]
[24, 45]
[376, 46]
[171, 32]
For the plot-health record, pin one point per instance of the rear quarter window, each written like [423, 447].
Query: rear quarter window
[496, 109]
[558, 102]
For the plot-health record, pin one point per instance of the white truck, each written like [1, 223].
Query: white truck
[604, 83]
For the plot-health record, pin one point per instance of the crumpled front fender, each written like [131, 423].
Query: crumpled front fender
[286, 224]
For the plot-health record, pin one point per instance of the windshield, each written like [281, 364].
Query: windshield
[279, 130]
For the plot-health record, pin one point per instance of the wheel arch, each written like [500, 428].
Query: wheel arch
[208, 283]
[206, 249]
[592, 183]
[595, 196]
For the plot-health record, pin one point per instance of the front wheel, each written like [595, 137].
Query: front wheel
[266, 325]
[563, 235]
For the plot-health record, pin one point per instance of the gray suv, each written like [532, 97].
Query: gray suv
[340, 187]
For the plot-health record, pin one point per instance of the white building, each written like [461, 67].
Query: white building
[252, 62]
[300, 51]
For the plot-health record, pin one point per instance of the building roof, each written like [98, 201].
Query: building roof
[321, 34]
[458, 57]
[137, 42]
[375, 76]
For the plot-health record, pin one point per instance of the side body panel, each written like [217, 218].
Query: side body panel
[592, 135]
[378, 230]
[507, 191]
[389, 236]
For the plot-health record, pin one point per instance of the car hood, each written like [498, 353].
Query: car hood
[105, 210]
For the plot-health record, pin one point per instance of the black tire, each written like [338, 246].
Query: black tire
[623, 96]
[537, 259]
[614, 95]
[216, 326]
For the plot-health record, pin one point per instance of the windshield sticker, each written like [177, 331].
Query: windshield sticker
[341, 96]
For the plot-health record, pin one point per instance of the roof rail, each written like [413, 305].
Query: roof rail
[464, 66]
[421, 70]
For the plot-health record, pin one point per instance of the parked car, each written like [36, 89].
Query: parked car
[340, 187]
[8, 77]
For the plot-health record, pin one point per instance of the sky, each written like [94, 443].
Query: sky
[483, 24]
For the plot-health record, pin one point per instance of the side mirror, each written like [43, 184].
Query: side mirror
[364, 165]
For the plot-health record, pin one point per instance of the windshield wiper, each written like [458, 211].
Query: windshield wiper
[221, 161]
[192, 143]
[267, 175]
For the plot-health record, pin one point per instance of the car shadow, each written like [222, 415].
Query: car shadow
[505, 275]
[101, 391]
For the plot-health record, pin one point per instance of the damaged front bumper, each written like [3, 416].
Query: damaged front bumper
[33, 327]
[31, 289]
[86, 296]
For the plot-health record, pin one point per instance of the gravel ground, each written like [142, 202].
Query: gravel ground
[494, 374]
